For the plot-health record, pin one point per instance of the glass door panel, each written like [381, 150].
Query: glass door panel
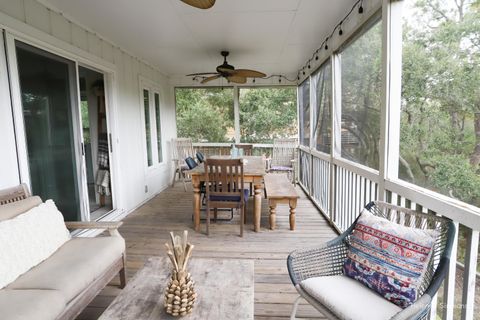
[95, 138]
[46, 93]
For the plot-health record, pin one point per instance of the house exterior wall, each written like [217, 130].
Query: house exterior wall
[51, 31]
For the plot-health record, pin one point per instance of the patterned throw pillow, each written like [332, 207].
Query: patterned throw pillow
[389, 258]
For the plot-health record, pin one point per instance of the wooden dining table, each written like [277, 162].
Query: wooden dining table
[253, 172]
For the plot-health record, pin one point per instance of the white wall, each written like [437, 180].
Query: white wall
[29, 19]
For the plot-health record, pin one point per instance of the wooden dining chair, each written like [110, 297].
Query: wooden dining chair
[224, 184]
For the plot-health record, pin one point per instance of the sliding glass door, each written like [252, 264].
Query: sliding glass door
[48, 98]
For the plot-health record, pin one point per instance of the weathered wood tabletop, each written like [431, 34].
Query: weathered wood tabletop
[224, 289]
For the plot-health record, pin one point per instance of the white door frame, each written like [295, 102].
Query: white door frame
[108, 72]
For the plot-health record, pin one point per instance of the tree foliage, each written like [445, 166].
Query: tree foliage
[267, 114]
[207, 115]
[441, 98]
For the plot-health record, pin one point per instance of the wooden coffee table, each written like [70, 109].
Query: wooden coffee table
[224, 291]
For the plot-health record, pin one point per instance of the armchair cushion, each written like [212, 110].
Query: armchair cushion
[281, 168]
[31, 304]
[74, 266]
[349, 299]
[389, 258]
[246, 192]
[28, 239]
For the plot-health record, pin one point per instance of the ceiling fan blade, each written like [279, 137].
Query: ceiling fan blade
[200, 4]
[225, 70]
[237, 79]
[201, 74]
[249, 73]
[210, 79]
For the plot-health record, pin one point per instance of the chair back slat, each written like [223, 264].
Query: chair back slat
[182, 148]
[283, 152]
[224, 177]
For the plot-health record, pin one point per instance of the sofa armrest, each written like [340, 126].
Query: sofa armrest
[111, 226]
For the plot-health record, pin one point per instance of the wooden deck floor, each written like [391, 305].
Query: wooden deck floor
[146, 230]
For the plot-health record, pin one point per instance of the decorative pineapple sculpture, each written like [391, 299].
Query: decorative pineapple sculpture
[180, 293]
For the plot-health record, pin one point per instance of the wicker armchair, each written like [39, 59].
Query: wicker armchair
[328, 260]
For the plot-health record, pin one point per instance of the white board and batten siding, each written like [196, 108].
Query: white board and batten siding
[32, 22]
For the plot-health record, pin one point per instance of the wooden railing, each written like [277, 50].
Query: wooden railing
[209, 149]
[340, 189]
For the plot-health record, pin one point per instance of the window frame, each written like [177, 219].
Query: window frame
[156, 142]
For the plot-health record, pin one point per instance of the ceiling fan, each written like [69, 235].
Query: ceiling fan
[200, 4]
[229, 72]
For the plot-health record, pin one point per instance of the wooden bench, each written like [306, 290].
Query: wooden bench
[279, 189]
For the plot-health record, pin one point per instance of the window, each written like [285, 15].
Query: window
[153, 127]
[206, 114]
[158, 127]
[148, 136]
[440, 119]
[304, 112]
[267, 114]
[322, 82]
[361, 78]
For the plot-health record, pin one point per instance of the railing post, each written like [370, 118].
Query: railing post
[449, 286]
[469, 275]
[236, 113]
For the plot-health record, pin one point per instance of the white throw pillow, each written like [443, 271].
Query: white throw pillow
[28, 239]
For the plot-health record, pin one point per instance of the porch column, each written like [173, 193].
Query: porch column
[236, 112]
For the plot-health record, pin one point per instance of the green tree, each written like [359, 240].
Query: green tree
[267, 114]
[205, 115]
[440, 131]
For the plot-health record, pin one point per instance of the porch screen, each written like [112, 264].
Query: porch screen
[205, 114]
[304, 112]
[322, 84]
[361, 78]
[267, 114]
[440, 119]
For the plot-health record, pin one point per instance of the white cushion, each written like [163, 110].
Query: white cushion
[31, 304]
[74, 266]
[28, 239]
[349, 299]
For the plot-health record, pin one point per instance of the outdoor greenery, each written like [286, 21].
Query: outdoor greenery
[440, 128]
[207, 115]
[267, 114]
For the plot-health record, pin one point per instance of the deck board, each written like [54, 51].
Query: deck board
[146, 230]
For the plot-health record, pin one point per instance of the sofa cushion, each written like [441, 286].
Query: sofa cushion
[349, 299]
[28, 239]
[31, 304]
[11, 210]
[389, 258]
[74, 266]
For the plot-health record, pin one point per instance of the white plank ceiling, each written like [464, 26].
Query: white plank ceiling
[273, 36]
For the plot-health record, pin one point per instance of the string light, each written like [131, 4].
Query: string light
[359, 4]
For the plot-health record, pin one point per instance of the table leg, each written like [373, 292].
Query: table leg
[273, 214]
[257, 212]
[293, 206]
[196, 203]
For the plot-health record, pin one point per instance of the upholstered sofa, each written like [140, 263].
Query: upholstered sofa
[63, 284]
